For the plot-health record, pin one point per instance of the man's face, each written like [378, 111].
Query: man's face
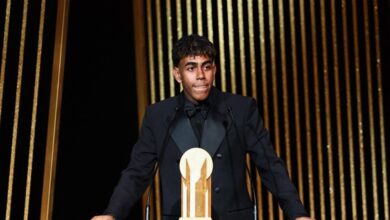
[196, 73]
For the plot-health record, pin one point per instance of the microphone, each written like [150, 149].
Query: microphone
[229, 109]
[165, 140]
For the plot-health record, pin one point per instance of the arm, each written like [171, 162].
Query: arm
[271, 167]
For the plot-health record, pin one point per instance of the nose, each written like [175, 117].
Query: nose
[200, 74]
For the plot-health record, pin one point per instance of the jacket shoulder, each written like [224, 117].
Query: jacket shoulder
[238, 100]
[164, 107]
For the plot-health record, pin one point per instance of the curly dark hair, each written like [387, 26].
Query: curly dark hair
[193, 45]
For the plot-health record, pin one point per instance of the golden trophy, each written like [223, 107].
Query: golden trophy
[196, 166]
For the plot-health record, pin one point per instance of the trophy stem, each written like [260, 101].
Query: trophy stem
[196, 166]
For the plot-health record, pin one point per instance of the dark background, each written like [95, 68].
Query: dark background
[99, 110]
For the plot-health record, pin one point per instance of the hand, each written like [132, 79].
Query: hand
[303, 218]
[103, 217]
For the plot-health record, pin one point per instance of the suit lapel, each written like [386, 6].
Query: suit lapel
[183, 135]
[213, 133]
[217, 124]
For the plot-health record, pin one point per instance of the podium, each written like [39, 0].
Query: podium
[196, 167]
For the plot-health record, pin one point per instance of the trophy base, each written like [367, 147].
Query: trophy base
[195, 218]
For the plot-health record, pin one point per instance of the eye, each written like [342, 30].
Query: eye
[207, 67]
[190, 68]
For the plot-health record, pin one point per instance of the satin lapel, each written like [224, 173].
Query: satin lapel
[183, 135]
[214, 131]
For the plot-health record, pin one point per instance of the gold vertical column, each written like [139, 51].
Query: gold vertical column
[370, 109]
[307, 108]
[221, 45]
[240, 12]
[16, 111]
[141, 66]
[179, 21]
[210, 32]
[359, 109]
[152, 79]
[274, 91]
[34, 111]
[169, 43]
[157, 192]
[274, 73]
[199, 16]
[265, 93]
[296, 100]
[252, 53]
[339, 128]
[328, 124]
[232, 56]
[351, 143]
[140, 58]
[317, 108]
[160, 52]
[209, 12]
[284, 91]
[381, 111]
[241, 44]
[189, 17]
[285, 97]
[4, 52]
[55, 109]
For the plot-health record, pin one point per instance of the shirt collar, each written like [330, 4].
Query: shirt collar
[202, 107]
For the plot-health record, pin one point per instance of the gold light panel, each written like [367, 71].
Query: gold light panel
[315, 69]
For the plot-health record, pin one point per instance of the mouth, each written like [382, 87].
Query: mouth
[200, 88]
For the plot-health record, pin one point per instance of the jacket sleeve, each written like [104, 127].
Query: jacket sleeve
[271, 167]
[138, 174]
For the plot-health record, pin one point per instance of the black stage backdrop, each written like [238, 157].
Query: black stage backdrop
[99, 110]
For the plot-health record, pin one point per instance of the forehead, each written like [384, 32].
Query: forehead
[195, 59]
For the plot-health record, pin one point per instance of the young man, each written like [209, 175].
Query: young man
[226, 125]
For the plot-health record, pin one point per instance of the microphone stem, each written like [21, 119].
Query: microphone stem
[147, 212]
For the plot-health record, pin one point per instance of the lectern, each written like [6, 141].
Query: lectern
[196, 166]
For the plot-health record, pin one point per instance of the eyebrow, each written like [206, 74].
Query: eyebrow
[196, 64]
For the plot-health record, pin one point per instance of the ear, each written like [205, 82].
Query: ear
[176, 74]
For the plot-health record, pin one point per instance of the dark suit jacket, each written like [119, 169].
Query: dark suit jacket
[233, 127]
